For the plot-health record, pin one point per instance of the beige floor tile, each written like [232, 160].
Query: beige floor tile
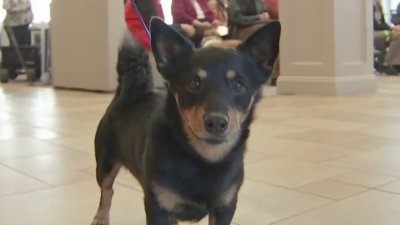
[81, 143]
[26, 147]
[128, 180]
[385, 160]
[55, 169]
[332, 189]
[391, 131]
[254, 156]
[68, 205]
[317, 123]
[350, 115]
[303, 150]
[364, 178]
[347, 139]
[10, 130]
[393, 187]
[13, 182]
[259, 131]
[264, 204]
[370, 208]
[289, 172]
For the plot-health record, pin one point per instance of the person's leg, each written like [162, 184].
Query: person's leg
[26, 35]
[198, 36]
[19, 34]
[393, 54]
[380, 44]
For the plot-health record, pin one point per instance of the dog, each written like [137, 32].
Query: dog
[185, 145]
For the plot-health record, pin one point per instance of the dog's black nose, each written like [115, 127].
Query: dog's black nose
[216, 125]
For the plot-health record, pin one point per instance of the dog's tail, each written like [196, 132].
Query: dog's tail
[134, 73]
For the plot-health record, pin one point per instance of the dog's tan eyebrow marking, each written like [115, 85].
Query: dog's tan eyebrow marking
[202, 74]
[231, 74]
[177, 100]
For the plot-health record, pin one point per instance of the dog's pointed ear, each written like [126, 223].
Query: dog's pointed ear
[169, 47]
[263, 46]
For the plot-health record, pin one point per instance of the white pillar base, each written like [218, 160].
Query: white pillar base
[329, 86]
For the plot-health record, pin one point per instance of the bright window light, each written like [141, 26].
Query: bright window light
[40, 8]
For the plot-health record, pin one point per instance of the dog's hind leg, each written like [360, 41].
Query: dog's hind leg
[106, 184]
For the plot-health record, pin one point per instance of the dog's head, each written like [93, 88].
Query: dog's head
[215, 89]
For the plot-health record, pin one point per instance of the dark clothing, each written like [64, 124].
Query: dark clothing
[379, 19]
[398, 9]
[244, 13]
[21, 33]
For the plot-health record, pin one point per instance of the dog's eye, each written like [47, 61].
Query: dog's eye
[194, 85]
[238, 86]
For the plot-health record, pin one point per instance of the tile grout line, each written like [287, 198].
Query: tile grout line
[30, 176]
[304, 212]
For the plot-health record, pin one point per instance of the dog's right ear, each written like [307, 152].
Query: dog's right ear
[169, 47]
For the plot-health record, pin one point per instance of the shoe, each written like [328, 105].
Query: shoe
[390, 71]
[273, 81]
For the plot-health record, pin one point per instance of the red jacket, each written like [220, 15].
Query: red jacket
[184, 12]
[134, 23]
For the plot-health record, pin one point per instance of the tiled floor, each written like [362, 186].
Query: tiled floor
[311, 160]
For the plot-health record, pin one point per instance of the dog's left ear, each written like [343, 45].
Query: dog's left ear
[169, 47]
[263, 45]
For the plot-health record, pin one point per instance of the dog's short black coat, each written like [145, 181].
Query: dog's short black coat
[185, 146]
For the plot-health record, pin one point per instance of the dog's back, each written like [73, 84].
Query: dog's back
[131, 110]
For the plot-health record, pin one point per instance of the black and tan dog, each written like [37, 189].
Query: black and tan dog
[186, 146]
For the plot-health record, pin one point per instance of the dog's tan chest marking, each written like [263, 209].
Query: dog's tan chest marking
[213, 153]
[229, 195]
[169, 200]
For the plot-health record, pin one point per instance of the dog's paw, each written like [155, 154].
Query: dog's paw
[97, 221]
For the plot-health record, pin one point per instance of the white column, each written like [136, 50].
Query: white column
[326, 47]
[85, 38]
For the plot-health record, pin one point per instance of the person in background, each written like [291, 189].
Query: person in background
[16, 24]
[273, 8]
[219, 8]
[18, 18]
[148, 9]
[386, 37]
[245, 17]
[138, 28]
[196, 13]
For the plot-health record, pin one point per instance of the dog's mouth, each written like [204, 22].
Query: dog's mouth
[212, 140]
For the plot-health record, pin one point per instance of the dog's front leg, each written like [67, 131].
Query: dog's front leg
[155, 215]
[222, 215]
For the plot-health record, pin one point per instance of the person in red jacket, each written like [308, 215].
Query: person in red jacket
[148, 9]
[139, 28]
